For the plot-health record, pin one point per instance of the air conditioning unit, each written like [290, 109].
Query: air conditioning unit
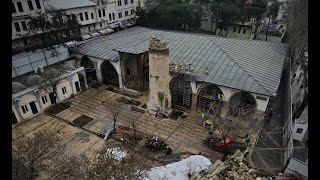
[16, 100]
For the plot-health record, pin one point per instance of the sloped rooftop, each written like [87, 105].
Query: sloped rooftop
[67, 4]
[249, 65]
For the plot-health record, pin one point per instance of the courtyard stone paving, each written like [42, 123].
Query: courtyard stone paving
[182, 135]
[77, 141]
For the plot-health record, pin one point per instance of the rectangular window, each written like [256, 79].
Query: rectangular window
[24, 108]
[86, 15]
[13, 8]
[126, 13]
[244, 31]
[92, 17]
[100, 24]
[38, 4]
[24, 26]
[30, 5]
[132, 11]
[131, 1]
[44, 99]
[103, 13]
[89, 29]
[299, 130]
[234, 29]
[17, 26]
[81, 16]
[239, 30]
[125, 2]
[64, 89]
[119, 2]
[94, 26]
[99, 12]
[20, 8]
[113, 16]
[110, 17]
[120, 14]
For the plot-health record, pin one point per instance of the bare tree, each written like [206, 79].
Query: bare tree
[134, 117]
[115, 108]
[297, 28]
[239, 120]
[272, 13]
[51, 77]
[298, 44]
[33, 152]
[133, 166]
[53, 27]
[42, 156]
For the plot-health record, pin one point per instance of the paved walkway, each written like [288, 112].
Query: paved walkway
[76, 140]
[182, 135]
[268, 153]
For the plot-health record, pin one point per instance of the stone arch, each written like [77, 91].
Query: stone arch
[181, 92]
[242, 103]
[109, 74]
[89, 68]
[208, 99]
[82, 80]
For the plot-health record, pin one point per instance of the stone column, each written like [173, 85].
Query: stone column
[194, 101]
[85, 80]
[97, 66]
[159, 78]
[38, 99]
[16, 106]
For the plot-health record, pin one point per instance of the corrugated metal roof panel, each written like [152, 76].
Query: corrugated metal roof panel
[253, 66]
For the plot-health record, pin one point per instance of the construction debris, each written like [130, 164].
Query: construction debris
[234, 168]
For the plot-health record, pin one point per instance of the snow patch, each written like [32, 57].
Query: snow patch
[179, 170]
[115, 153]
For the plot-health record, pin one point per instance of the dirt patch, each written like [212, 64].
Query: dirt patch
[55, 109]
[82, 120]
[96, 86]
[175, 114]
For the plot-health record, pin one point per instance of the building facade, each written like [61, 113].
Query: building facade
[21, 9]
[29, 99]
[216, 62]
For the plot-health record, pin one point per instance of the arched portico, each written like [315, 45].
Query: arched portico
[181, 92]
[89, 67]
[109, 74]
[208, 99]
[242, 103]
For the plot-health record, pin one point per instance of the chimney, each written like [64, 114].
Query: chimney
[159, 78]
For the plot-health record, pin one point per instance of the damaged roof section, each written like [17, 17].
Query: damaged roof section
[248, 65]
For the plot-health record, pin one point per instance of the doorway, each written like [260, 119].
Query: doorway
[33, 107]
[77, 86]
[52, 98]
[14, 118]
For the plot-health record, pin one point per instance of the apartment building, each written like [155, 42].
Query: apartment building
[21, 9]
[125, 11]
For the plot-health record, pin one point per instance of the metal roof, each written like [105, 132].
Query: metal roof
[28, 61]
[67, 4]
[249, 65]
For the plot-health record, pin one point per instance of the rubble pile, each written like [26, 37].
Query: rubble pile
[233, 168]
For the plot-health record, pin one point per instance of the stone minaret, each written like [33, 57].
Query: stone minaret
[159, 78]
